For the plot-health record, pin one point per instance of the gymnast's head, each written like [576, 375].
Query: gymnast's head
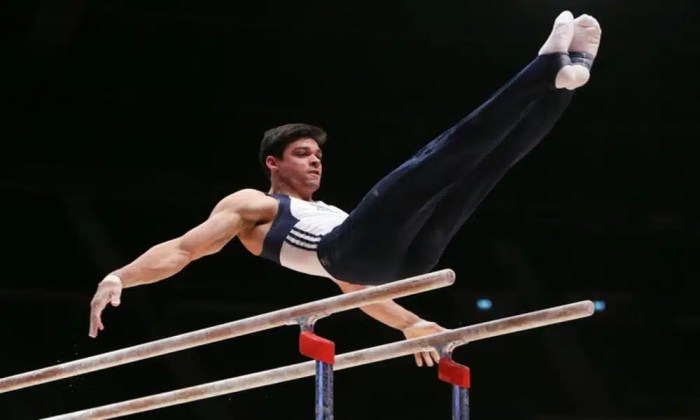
[290, 156]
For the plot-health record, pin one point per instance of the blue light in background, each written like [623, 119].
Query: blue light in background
[484, 304]
[599, 305]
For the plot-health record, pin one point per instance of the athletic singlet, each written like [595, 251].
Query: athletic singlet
[296, 231]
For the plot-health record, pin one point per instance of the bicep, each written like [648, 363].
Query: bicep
[211, 235]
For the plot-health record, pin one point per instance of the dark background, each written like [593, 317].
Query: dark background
[125, 122]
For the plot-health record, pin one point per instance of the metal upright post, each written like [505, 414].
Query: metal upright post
[323, 351]
[324, 391]
[460, 403]
[460, 377]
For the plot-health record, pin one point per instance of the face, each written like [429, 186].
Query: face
[300, 166]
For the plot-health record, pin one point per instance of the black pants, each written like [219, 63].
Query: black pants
[404, 223]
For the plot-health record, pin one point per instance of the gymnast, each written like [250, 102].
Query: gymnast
[404, 223]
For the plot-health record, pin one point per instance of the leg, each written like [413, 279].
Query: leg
[465, 194]
[370, 246]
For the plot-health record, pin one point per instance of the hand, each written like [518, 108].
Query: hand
[109, 290]
[420, 329]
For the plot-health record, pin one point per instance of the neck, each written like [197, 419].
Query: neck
[282, 188]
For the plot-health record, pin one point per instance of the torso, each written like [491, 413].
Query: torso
[288, 230]
[252, 234]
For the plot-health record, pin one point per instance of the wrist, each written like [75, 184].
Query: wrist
[412, 323]
[113, 278]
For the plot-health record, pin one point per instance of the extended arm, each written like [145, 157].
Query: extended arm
[396, 316]
[168, 258]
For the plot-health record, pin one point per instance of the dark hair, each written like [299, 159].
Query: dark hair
[276, 139]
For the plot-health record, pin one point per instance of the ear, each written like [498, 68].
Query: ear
[271, 163]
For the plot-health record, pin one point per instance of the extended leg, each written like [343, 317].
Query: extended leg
[369, 247]
[465, 194]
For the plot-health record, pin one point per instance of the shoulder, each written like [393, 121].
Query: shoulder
[242, 197]
[248, 203]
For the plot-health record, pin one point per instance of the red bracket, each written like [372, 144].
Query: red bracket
[452, 372]
[315, 347]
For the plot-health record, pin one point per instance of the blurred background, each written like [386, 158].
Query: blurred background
[125, 122]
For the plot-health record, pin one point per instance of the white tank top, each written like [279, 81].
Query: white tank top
[296, 231]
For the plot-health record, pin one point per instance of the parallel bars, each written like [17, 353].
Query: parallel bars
[445, 341]
[305, 313]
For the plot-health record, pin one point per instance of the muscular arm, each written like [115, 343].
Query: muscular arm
[167, 258]
[223, 224]
[396, 316]
[388, 312]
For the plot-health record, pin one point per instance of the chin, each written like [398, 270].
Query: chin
[313, 186]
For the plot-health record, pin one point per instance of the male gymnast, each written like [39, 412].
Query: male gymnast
[404, 223]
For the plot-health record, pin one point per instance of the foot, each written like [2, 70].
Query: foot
[558, 42]
[561, 36]
[587, 34]
[584, 47]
